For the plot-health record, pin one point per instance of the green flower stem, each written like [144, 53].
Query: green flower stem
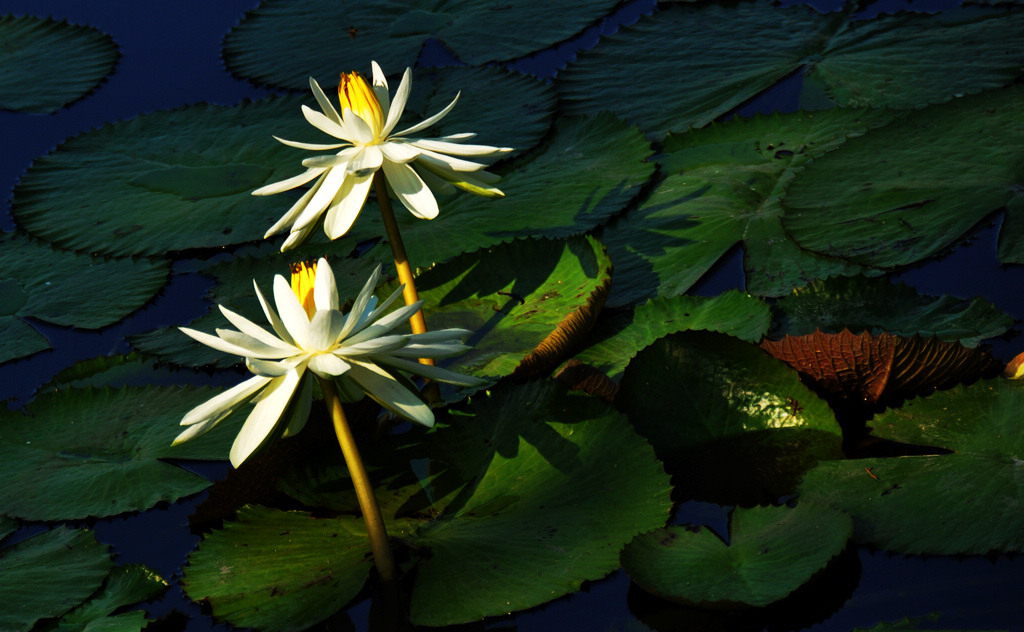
[382, 557]
[416, 321]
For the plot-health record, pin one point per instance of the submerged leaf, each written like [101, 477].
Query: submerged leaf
[867, 368]
[771, 552]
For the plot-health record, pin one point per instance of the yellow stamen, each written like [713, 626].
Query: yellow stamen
[355, 93]
[303, 279]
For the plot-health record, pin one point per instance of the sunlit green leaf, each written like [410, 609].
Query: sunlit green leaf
[737, 424]
[48, 575]
[771, 552]
[166, 181]
[563, 483]
[687, 65]
[899, 195]
[263, 45]
[723, 189]
[80, 453]
[124, 586]
[66, 288]
[34, 47]
[279, 570]
[877, 305]
[622, 336]
[939, 504]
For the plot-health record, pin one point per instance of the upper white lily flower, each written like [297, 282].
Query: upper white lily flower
[311, 335]
[412, 166]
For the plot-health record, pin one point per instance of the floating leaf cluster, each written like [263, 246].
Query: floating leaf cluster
[614, 392]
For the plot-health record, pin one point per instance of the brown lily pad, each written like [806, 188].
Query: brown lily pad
[867, 368]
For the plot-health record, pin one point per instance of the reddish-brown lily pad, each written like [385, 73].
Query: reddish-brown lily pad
[865, 367]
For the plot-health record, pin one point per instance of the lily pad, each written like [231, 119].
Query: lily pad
[279, 570]
[620, 337]
[864, 368]
[31, 589]
[723, 189]
[80, 453]
[878, 305]
[66, 288]
[124, 586]
[34, 47]
[166, 181]
[735, 425]
[771, 552]
[898, 196]
[940, 504]
[720, 55]
[262, 47]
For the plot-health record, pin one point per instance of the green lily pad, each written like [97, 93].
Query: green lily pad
[771, 552]
[7, 526]
[34, 47]
[184, 176]
[66, 288]
[48, 575]
[720, 55]
[279, 570]
[937, 504]
[620, 337]
[124, 586]
[877, 305]
[736, 425]
[519, 480]
[898, 196]
[586, 172]
[724, 186]
[80, 453]
[262, 47]
[547, 467]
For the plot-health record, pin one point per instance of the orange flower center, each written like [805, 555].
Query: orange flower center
[303, 279]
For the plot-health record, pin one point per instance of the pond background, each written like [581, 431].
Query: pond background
[171, 57]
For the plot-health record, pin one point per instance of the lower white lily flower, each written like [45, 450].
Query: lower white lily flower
[415, 168]
[312, 336]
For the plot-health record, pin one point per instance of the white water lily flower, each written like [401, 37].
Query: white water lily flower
[412, 166]
[312, 336]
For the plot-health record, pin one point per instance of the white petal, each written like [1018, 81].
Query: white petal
[293, 316]
[390, 393]
[324, 328]
[430, 121]
[296, 237]
[451, 162]
[333, 182]
[437, 184]
[434, 350]
[386, 324]
[347, 205]
[359, 306]
[432, 372]
[380, 88]
[457, 149]
[453, 335]
[458, 138]
[378, 345]
[288, 184]
[325, 103]
[218, 344]
[328, 365]
[223, 404]
[367, 161]
[326, 162]
[380, 309]
[272, 317]
[399, 152]
[246, 326]
[398, 105]
[360, 131]
[259, 428]
[325, 288]
[288, 219]
[311, 146]
[326, 125]
[411, 191]
[298, 410]
[257, 348]
[268, 369]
